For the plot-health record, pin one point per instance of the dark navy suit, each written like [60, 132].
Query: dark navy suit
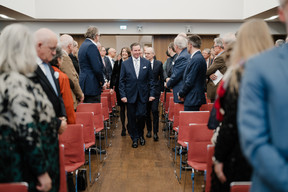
[176, 80]
[153, 105]
[193, 89]
[91, 76]
[137, 91]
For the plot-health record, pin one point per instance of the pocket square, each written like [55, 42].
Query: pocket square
[144, 67]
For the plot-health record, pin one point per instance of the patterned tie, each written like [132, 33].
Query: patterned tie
[137, 67]
[49, 77]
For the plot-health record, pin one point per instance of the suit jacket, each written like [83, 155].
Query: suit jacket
[56, 100]
[131, 87]
[91, 76]
[262, 119]
[158, 77]
[194, 81]
[114, 82]
[107, 70]
[219, 63]
[169, 66]
[176, 81]
[68, 68]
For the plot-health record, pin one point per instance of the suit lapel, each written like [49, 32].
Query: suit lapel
[131, 63]
[44, 79]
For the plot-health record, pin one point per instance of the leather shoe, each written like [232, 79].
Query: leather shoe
[135, 144]
[155, 137]
[148, 135]
[142, 141]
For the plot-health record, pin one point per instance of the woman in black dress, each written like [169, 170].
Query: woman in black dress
[125, 53]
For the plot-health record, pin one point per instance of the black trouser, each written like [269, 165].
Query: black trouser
[152, 106]
[122, 114]
[92, 99]
[191, 108]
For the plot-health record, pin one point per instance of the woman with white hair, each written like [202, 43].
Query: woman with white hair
[27, 118]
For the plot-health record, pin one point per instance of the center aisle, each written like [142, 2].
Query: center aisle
[146, 168]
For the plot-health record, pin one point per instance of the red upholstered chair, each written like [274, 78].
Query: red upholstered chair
[86, 119]
[240, 186]
[63, 183]
[73, 142]
[177, 108]
[169, 123]
[210, 149]
[105, 110]
[109, 99]
[14, 187]
[207, 107]
[168, 95]
[199, 138]
[96, 108]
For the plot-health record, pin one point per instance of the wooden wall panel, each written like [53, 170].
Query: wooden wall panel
[161, 43]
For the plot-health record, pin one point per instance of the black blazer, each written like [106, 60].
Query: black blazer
[158, 77]
[107, 70]
[56, 100]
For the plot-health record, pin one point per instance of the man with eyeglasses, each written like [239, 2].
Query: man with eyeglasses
[218, 65]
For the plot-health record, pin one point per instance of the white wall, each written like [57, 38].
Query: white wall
[26, 7]
[253, 7]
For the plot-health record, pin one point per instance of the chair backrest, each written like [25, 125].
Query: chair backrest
[105, 107]
[87, 120]
[210, 151]
[207, 100]
[109, 100]
[14, 187]
[113, 99]
[240, 186]
[177, 108]
[162, 97]
[63, 183]
[199, 138]
[96, 108]
[206, 107]
[171, 109]
[73, 141]
[167, 99]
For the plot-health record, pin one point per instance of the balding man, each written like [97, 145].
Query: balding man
[176, 81]
[46, 43]
[66, 42]
[91, 75]
[157, 70]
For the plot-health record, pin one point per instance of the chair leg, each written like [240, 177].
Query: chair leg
[76, 174]
[100, 144]
[192, 178]
[180, 153]
[90, 164]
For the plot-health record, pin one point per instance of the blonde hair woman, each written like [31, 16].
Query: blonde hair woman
[27, 118]
[229, 164]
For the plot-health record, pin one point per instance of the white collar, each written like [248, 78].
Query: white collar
[194, 53]
[93, 42]
[133, 58]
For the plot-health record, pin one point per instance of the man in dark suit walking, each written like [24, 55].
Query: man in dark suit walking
[136, 88]
[46, 43]
[157, 69]
[91, 76]
[193, 90]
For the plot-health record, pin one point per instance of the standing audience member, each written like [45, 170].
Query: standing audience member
[229, 163]
[102, 51]
[263, 115]
[73, 56]
[170, 61]
[152, 106]
[136, 88]
[90, 62]
[67, 67]
[114, 84]
[176, 81]
[207, 56]
[193, 90]
[219, 64]
[109, 63]
[65, 88]
[27, 118]
[46, 43]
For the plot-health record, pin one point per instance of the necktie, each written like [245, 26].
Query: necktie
[49, 77]
[103, 62]
[136, 67]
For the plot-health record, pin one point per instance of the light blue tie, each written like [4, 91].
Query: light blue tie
[49, 77]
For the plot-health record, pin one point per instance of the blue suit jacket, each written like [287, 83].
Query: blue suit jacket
[263, 119]
[176, 80]
[91, 75]
[131, 87]
[194, 79]
[158, 77]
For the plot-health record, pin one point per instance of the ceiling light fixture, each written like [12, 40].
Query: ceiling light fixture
[271, 18]
[6, 17]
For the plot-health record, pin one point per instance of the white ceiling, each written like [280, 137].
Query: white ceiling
[131, 10]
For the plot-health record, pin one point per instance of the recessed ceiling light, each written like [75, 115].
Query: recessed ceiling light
[6, 17]
[271, 18]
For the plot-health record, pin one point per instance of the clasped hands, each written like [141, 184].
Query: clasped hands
[124, 99]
